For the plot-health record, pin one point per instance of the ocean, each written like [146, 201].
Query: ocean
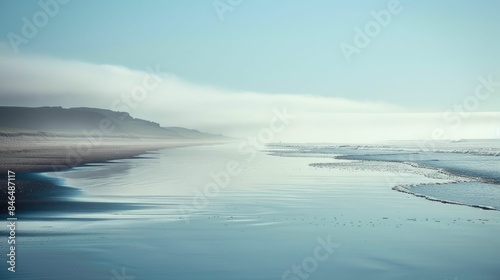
[289, 211]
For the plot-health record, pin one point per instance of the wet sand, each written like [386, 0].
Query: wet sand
[29, 156]
[42, 154]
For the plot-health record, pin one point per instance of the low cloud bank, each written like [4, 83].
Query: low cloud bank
[159, 96]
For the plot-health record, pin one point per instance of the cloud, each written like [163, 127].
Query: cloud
[162, 97]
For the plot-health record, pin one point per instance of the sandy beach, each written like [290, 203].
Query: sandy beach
[23, 154]
[30, 156]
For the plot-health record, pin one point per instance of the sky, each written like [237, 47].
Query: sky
[225, 65]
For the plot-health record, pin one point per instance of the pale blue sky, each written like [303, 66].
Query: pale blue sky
[428, 58]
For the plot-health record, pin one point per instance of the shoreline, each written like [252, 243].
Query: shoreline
[29, 157]
[406, 189]
[36, 155]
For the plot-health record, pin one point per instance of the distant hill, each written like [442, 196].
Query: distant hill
[78, 121]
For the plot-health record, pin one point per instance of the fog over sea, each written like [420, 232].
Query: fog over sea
[287, 211]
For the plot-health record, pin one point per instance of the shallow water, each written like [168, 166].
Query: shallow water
[271, 216]
[470, 179]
